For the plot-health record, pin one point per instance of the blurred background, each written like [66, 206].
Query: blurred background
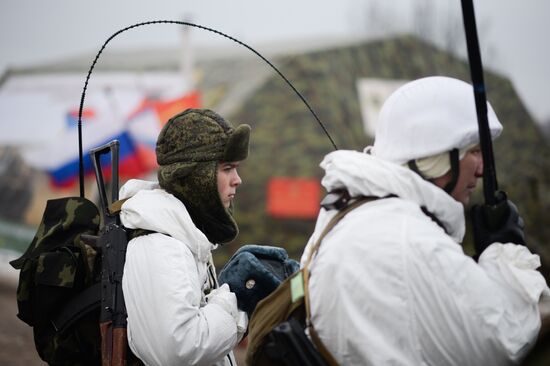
[344, 57]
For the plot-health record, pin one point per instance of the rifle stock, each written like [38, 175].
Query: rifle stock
[106, 331]
[114, 344]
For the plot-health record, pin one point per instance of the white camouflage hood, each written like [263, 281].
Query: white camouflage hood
[152, 208]
[364, 174]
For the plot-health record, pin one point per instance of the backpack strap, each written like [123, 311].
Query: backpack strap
[331, 224]
[116, 207]
[134, 233]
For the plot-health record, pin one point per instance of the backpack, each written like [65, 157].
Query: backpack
[70, 281]
[58, 292]
[278, 326]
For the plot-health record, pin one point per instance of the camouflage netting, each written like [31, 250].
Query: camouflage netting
[287, 141]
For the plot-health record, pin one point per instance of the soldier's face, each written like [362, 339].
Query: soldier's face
[471, 169]
[228, 181]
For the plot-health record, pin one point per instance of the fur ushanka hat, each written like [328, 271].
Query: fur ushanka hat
[189, 148]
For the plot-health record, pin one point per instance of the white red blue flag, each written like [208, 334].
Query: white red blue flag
[39, 114]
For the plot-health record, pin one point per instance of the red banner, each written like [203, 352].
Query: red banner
[293, 198]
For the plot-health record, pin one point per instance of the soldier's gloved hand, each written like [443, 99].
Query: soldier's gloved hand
[242, 325]
[499, 223]
[225, 299]
[254, 271]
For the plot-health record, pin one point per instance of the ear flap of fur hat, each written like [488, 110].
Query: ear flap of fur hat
[236, 148]
[175, 172]
[195, 185]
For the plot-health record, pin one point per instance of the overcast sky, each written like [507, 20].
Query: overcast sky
[513, 33]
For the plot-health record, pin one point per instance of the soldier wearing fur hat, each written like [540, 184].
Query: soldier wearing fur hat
[177, 315]
[390, 284]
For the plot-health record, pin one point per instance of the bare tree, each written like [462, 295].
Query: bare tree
[424, 19]
[372, 18]
[436, 22]
[377, 22]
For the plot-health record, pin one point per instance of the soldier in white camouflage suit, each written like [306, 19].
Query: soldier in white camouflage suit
[176, 315]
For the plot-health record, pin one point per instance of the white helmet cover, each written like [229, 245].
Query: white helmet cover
[429, 116]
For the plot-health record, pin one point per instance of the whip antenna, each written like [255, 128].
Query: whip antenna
[80, 155]
[490, 185]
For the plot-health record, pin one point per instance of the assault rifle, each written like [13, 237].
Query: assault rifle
[112, 241]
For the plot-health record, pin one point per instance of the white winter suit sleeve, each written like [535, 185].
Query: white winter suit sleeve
[166, 323]
[489, 309]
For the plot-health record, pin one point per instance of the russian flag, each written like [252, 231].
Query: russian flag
[66, 175]
[102, 121]
[134, 122]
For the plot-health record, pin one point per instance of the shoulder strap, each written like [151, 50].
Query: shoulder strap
[331, 224]
[115, 207]
[134, 233]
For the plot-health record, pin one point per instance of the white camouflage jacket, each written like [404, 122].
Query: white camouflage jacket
[165, 277]
[391, 287]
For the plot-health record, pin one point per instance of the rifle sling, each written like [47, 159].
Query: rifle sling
[115, 207]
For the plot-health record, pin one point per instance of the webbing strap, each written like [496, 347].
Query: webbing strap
[134, 233]
[115, 207]
[331, 224]
[454, 159]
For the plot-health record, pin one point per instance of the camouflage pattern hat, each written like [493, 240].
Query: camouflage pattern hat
[198, 135]
[189, 148]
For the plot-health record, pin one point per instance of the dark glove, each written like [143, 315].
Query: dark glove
[254, 271]
[499, 223]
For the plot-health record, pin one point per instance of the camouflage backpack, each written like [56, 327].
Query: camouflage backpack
[70, 281]
[59, 284]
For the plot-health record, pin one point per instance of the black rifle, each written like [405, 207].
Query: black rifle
[113, 242]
